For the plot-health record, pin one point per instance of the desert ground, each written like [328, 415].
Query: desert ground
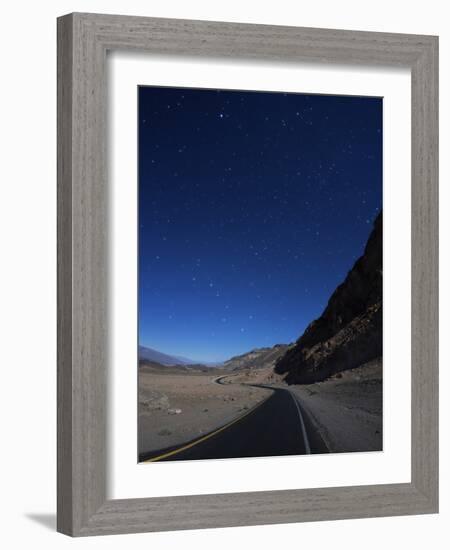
[177, 407]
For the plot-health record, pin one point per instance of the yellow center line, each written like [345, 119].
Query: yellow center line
[205, 437]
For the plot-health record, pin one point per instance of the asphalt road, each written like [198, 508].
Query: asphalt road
[277, 427]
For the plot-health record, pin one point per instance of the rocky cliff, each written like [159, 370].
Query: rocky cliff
[257, 358]
[349, 331]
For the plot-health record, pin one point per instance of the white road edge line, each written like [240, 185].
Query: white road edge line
[302, 424]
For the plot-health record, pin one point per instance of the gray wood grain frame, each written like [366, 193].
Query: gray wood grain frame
[83, 40]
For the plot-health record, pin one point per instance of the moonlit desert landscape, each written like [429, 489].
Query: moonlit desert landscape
[260, 274]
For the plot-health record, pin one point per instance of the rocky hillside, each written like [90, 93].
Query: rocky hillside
[256, 358]
[349, 331]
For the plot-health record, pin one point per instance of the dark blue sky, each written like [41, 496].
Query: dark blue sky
[253, 206]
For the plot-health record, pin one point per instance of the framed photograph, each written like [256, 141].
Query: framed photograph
[247, 274]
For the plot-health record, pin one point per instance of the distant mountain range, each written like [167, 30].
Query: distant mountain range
[154, 356]
[255, 359]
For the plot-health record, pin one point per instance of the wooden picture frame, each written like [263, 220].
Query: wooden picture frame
[83, 40]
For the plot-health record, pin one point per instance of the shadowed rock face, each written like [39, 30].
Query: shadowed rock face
[349, 331]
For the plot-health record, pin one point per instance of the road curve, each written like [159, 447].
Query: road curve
[276, 427]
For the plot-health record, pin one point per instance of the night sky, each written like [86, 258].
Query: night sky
[253, 206]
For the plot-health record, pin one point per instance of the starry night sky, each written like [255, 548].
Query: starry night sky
[253, 206]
